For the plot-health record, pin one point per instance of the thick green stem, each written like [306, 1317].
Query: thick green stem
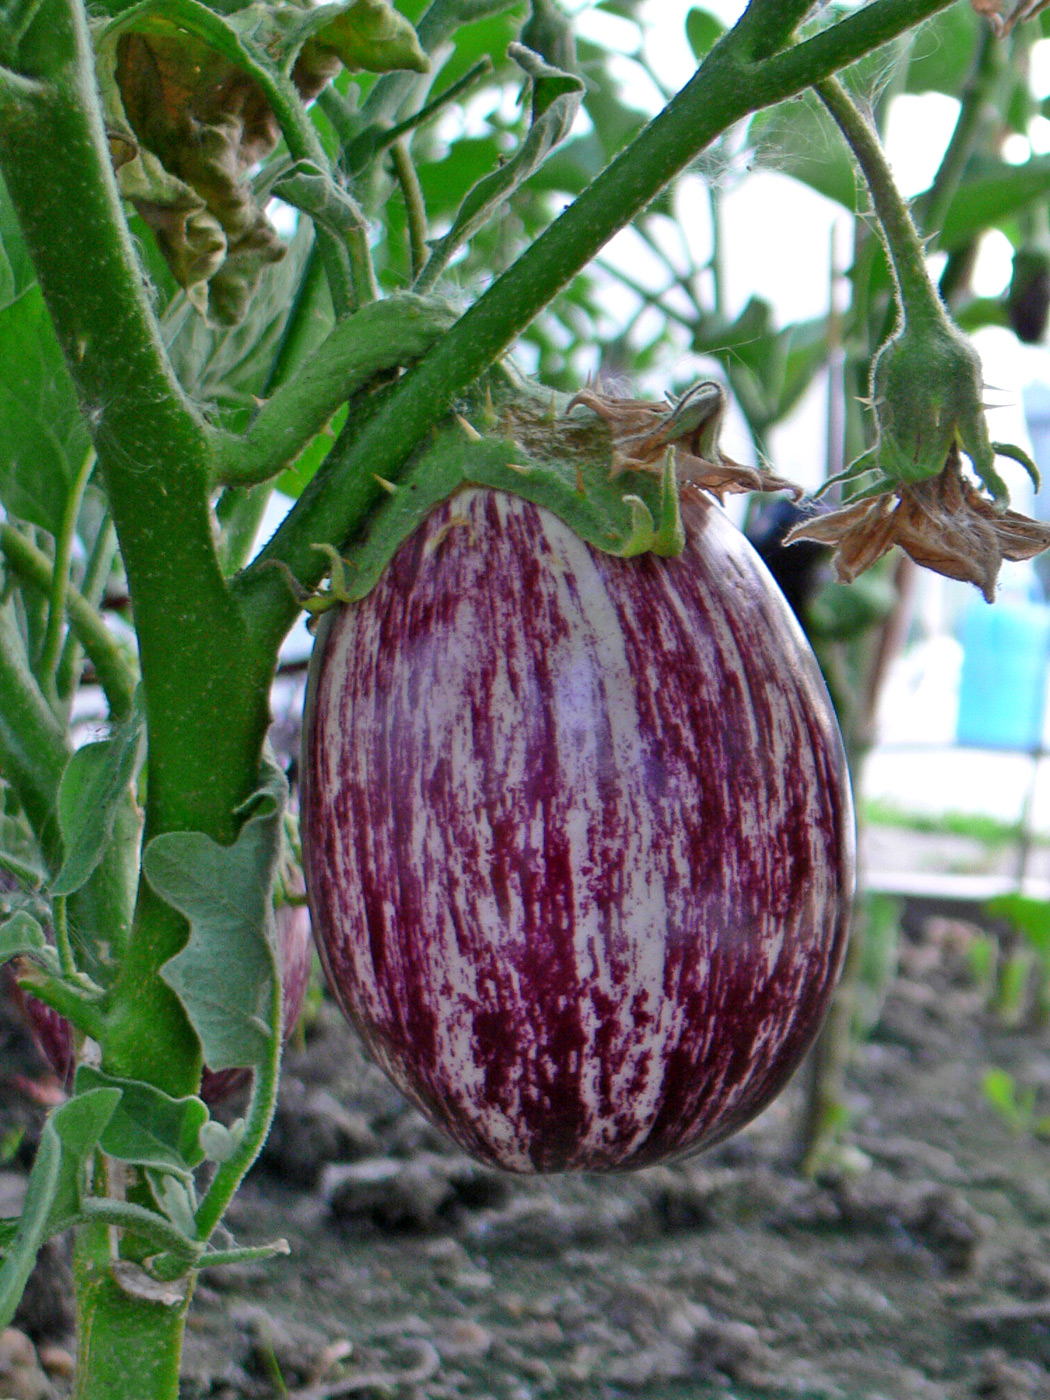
[726, 89]
[205, 688]
[129, 1347]
[903, 244]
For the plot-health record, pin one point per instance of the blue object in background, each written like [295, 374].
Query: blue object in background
[1002, 691]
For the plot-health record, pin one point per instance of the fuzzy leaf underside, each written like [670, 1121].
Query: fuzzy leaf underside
[22, 937]
[224, 974]
[628, 514]
[94, 784]
[43, 438]
[149, 1127]
[53, 1192]
[556, 98]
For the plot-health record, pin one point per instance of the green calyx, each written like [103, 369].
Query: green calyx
[927, 392]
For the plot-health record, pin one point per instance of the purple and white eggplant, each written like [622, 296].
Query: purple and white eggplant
[578, 835]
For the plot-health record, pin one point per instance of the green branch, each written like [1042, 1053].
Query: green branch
[113, 667]
[767, 25]
[931, 209]
[92, 589]
[381, 336]
[727, 88]
[903, 245]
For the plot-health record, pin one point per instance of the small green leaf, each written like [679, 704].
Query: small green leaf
[1000, 1091]
[176, 1201]
[556, 97]
[8, 1232]
[365, 35]
[21, 936]
[93, 786]
[79, 1125]
[219, 1143]
[703, 31]
[53, 1192]
[149, 1127]
[32, 1227]
[43, 440]
[224, 975]
[1029, 916]
[19, 853]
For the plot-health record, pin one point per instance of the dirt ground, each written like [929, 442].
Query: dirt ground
[918, 1270]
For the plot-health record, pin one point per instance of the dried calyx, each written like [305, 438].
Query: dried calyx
[944, 523]
[642, 432]
[1003, 15]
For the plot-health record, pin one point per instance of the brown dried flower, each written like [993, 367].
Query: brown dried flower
[642, 431]
[945, 523]
[1022, 10]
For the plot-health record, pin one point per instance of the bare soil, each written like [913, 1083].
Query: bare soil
[918, 1268]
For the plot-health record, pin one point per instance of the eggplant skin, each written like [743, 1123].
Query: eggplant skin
[578, 835]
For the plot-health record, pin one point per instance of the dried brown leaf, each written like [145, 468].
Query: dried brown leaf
[945, 524]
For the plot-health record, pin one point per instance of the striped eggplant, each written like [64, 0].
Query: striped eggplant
[578, 835]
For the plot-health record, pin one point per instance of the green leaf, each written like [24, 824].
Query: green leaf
[176, 1201]
[43, 439]
[365, 35]
[556, 99]
[801, 140]
[218, 1142]
[22, 937]
[224, 975]
[8, 1232]
[294, 479]
[1000, 1089]
[19, 852]
[445, 183]
[1029, 916]
[93, 787]
[16, 270]
[703, 31]
[53, 1191]
[79, 1124]
[991, 193]
[229, 366]
[942, 51]
[149, 1127]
